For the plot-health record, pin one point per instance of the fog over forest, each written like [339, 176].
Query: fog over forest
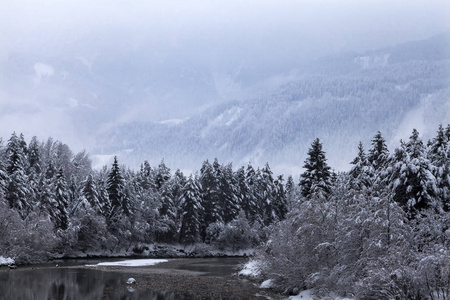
[82, 72]
[311, 137]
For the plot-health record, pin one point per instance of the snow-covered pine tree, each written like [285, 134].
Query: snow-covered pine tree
[361, 174]
[438, 154]
[250, 205]
[90, 193]
[167, 229]
[412, 181]
[58, 212]
[17, 192]
[317, 177]
[103, 196]
[228, 194]
[378, 153]
[279, 205]
[291, 193]
[209, 196]
[116, 192]
[146, 177]
[34, 157]
[267, 194]
[3, 175]
[162, 175]
[191, 211]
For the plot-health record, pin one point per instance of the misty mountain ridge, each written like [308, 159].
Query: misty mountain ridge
[341, 99]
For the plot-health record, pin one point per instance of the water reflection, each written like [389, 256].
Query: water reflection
[66, 283]
[214, 266]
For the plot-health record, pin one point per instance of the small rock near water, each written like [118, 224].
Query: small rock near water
[131, 281]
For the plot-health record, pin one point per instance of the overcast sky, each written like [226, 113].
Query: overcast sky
[102, 62]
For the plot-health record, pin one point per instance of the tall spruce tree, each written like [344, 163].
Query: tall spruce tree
[412, 181]
[317, 177]
[209, 188]
[378, 153]
[228, 194]
[191, 211]
[58, 212]
[116, 192]
[3, 174]
[438, 152]
[17, 192]
[251, 206]
[361, 174]
[90, 193]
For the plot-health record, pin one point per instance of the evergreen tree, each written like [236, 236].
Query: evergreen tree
[3, 175]
[291, 193]
[317, 177]
[167, 212]
[17, 191]
[59, 213]
[103, 196]
[90, 193]
[243, 191]
[379, 153]
[162, 175]
[116, 192]
[267, 194]
[438, 155]
[361, 174]
[228, 204]
[279, 205]
[209, 196]
[412, 181]
[250, 205]
[146, 177]
[191, 208]
[34, 157]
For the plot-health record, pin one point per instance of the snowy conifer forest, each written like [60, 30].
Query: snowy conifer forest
[379, 231]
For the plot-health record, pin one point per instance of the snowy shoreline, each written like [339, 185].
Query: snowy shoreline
[159, 251]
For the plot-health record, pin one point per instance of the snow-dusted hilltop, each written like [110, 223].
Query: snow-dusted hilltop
[341, 99]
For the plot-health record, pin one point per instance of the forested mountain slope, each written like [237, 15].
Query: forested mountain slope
[341, 99]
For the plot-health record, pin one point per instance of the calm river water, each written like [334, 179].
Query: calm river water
[49, 282]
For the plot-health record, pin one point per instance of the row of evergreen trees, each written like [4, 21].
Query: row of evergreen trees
[117, 209]
[380, 231]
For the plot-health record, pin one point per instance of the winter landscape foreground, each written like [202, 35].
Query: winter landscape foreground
[379, 231]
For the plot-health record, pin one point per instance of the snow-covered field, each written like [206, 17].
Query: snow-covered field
[130, 263]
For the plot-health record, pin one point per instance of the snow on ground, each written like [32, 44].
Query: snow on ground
[266, 284]
[130, 263]
[251, 269]
[6, 261]
[309, 295]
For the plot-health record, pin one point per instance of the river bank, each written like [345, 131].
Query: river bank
[196, 278]
[179, 278]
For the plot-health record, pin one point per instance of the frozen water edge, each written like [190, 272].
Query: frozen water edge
[130, 263]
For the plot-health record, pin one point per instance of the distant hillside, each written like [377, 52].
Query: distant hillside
[341, 100]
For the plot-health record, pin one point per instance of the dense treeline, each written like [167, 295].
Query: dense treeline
[53, 203]
[380, 231]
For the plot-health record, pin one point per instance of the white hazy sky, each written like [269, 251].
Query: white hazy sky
[75, 66]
